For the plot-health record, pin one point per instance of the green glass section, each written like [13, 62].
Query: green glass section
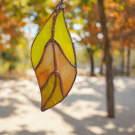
[62, 36]
[40, 42]
[48, 90]
[57, 96]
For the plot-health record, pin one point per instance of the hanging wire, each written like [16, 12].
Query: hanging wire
[61, 5]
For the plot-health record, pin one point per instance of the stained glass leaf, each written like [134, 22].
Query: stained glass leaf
[53, 59]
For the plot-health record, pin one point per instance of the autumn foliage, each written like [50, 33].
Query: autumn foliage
[9, 25]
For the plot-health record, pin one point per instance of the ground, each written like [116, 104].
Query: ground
[83, 112]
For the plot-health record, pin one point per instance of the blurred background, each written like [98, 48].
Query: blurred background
[103, 36]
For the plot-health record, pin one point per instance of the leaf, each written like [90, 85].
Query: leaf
[53, 59]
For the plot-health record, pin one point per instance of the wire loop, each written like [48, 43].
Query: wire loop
[62, 1]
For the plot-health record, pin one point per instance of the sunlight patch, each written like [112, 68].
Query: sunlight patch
[96, 130]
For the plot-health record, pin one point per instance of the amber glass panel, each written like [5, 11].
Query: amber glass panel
[56, 97]
[66, 70]
[40, 41]
[48, 90]
[46, 66]
[62, 36]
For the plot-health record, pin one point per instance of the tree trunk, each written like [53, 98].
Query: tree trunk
[11, 67]
[101, 67]
[128, 61]
[92, 72]
[122, 60]
[122, 63]
[108, 61]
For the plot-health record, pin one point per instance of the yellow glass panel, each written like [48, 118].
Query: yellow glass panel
[62, 36]
[66, 70]
[40, 41]
[48, 90]
[46, 66]
[57, 96]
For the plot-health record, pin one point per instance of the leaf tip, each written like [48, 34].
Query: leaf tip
[42, 109]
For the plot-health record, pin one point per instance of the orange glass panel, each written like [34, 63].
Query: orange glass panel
[56, 97]
[66, 70]
[46, 66]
